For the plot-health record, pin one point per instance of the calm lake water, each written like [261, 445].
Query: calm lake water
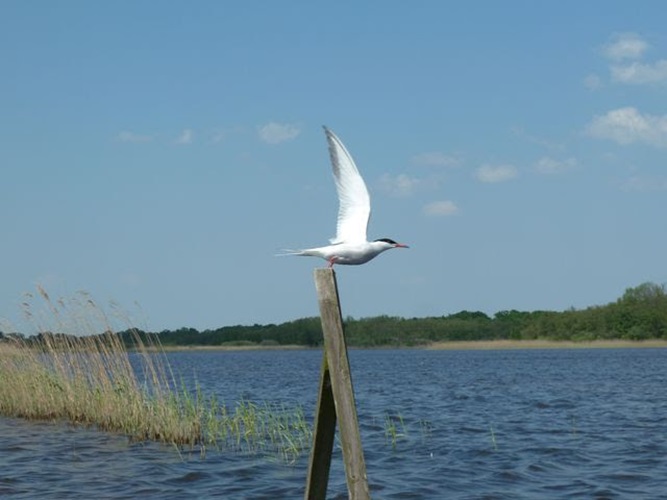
[475, 424]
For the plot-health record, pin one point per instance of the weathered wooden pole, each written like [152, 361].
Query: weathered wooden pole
[323, 438]
[335, 402]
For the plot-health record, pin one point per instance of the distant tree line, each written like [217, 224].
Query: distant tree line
[640, 314]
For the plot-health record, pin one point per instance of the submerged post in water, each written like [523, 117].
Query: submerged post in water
[335, 402]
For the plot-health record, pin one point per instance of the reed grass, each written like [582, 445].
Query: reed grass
[93, 379]
[394, 428]
[494, 442]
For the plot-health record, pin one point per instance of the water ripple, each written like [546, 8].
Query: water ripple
[467, 425]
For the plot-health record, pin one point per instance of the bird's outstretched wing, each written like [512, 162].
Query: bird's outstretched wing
[354, 208]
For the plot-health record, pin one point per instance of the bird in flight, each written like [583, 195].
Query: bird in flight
[350, 246]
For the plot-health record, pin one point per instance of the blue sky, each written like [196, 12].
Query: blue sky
[161, 154]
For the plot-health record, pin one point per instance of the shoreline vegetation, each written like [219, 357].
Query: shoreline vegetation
[92, 381]
[450, 345]
[547, 344]
[637, 317]
[101, 382]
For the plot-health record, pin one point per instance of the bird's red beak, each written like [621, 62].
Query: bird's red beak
[400, 245]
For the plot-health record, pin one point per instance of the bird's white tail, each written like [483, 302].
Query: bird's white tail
[287, 252]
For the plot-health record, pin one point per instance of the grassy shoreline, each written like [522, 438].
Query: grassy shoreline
[91, 381]
[451, 345]
[256, 347]
[546, 344]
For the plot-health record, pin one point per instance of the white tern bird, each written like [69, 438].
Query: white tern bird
[350, 245]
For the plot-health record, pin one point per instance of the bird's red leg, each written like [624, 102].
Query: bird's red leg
[332, 261]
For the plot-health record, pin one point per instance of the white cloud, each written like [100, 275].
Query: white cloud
[275, 133]
[624, 51]
[399, 185]
[625, 46]
[441, 208]
[638, 73]
[498, 173]
[186, 137]
[435, 159]
[547, 165]
[627, 126]
[126, 136]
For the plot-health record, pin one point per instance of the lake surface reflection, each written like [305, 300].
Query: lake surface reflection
[527, 424]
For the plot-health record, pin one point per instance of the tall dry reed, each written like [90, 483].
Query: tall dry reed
[69, 372]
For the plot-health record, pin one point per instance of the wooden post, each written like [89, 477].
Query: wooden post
[335, 402]
[323, 438]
